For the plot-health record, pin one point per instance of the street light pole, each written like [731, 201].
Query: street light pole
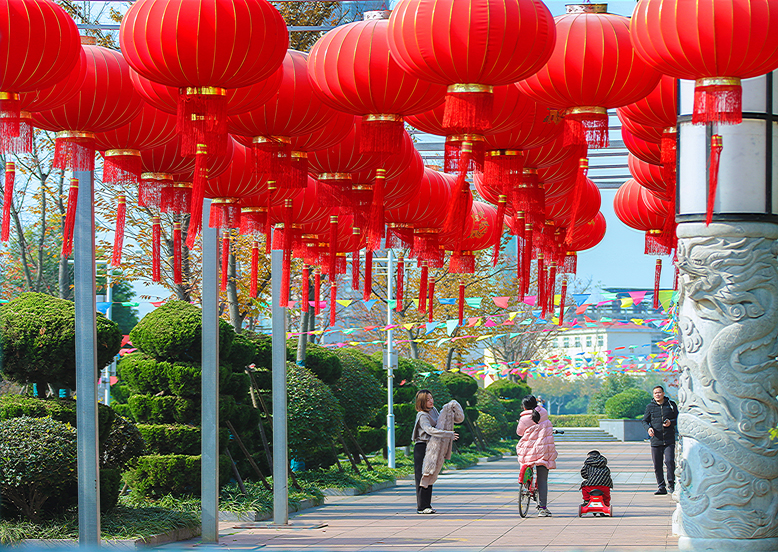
[390, 363]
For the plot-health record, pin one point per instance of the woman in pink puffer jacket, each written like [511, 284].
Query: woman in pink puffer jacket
[536, 447]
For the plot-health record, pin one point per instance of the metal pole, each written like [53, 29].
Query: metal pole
[210, 382]
[86, 363]
[389, 365]
[106, 374]
[280, 444]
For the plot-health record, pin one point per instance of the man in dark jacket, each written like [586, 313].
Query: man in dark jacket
[659, 420]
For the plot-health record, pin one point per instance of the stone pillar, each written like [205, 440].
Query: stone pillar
[728, 330]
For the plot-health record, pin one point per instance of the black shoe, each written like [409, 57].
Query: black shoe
[661, 492]
[671, 488]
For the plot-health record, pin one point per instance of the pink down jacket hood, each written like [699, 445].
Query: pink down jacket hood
[537, 440]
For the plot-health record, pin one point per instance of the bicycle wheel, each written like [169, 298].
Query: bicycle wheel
[525, 495]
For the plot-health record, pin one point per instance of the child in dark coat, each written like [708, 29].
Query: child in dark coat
[596, 475]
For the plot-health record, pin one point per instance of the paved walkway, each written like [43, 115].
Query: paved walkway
[477, 511]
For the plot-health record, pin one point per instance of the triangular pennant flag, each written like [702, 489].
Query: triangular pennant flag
[408, 326]
[391, 304]
[344, 302]
[158, 303]
[637, 296]
[665, 296]
[430, 327]
[451, 325]
[471, 322]
[291, 304]
[626, 302]
[447, 301]
[531, 300]
[369, 304]
[582, 308]
[474, 302]
[490, 323]
[580, 298]
[501, 302]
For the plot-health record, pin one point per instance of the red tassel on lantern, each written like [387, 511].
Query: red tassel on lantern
[70, 218]
[16, 132]
[225, 259]
[594, 122]
[286, 265]
[156, 242]
[468, 108]
[177, 253]
[8, 193]
[333, 245]
[333, 297]
[317, 291]
[657, 276]
[562, 302]
[575, 134]
[541, 282]
[150, 189]
[526, 260]
[551, 284]
[355, 270]
[503, 169]
[75, 151]
[431, 296]
[368, 289]
[675, 277]
[298, 170]
[225, 213]
[202, 119]
[502, 202]
[118, 240]
[460, 197]
[381, 133]
[268, 219]
[656, 243]
[375, 228]
[571, 263]
[254, 269]
[273, 158]
[461, 301]
[580, 187]
[122, 167]
[176, 198]
[716, 145]
[669, 155]
[400, 284]
[304, 291]
[198, 194]
[718, 100]
[423, 287]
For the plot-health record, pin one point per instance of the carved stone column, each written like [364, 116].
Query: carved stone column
[728, 330]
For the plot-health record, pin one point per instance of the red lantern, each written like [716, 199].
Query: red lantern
[593, 68]
[639, 209]
[239, 100]
[471, 46]
[371, 83]
[560, 210]
[640, 130]
[650, 152]
[649, 176]
[294, 110]
[587, 235]
[40, 47]
[203, 47]
[228, 188]
[714, 42]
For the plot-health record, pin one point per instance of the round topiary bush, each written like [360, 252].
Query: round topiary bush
[242, 352]
[359, 393]
[461, 386]
[124, 444]
[143, 373]
[37, 462]
[314, 421]
[506, 389]
[319, 360]
[490, 428]
[38, 337]
[627, 404]
[490, 404]
[174, 331]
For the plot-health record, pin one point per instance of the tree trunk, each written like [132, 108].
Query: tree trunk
[63, 273]
[232, 295]
[41, 243]
[413, 346]
[302, 341]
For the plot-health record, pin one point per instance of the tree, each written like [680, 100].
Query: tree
[613, 384]
[314, 14]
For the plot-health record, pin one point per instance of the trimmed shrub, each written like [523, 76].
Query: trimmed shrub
[611, 385]
[314, 417]
[38, 338]
[406, 393]
[174, 332]
[143, 373]
[124, 443]
[426, 376]
[359, 393]
[263, 349]
[371, 439]
[461, 387]
[175, 438]
[506, 389]
[242, 352]
[488, 403]
[490, 428]
[263, 377]
[176, 474]
[576, 420]
[323, 362]
[164, 410]
[627, 404]
[110, 487]
[185, 379]
[404, 418]
[62, 410]
[37, 462]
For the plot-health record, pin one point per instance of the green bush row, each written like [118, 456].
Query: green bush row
[177, 474]
[576, 420]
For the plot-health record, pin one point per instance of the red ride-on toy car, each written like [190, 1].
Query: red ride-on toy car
[596, 505]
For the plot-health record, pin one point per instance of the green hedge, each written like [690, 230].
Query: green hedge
[174, 332]
[177, 474]
[576, 420]
[323, 362]
[38, 339]
[143, 373]
[37, 463]
[627, 404]
[62, 410]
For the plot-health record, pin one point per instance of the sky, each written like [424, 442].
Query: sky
[618, 261]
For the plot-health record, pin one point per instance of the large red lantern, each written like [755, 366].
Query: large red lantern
[593, 68]
[650, 152]
[639, 209]
[39, 46]
[471, 46]
[106, 100]
[203, 47]
[649, 176]
[713, 42]
[295, 110]
[354, 70]
[587, 235]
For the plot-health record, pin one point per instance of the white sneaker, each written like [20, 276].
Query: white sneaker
[426, 511]
[543, 512]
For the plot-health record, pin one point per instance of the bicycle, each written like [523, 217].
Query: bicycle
[528, 485]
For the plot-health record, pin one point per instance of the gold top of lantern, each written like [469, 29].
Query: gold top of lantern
[586, 110]
[156, 176]
[472, 87]
[224, 200]
[9, 96]
[717, 81]
[204, 91]
[387, 117]
[122, 153]
[587, 8]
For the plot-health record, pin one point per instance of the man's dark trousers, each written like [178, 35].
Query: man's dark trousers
[666, 452]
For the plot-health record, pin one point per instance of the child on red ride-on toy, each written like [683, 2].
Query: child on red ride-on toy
[596, 486]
